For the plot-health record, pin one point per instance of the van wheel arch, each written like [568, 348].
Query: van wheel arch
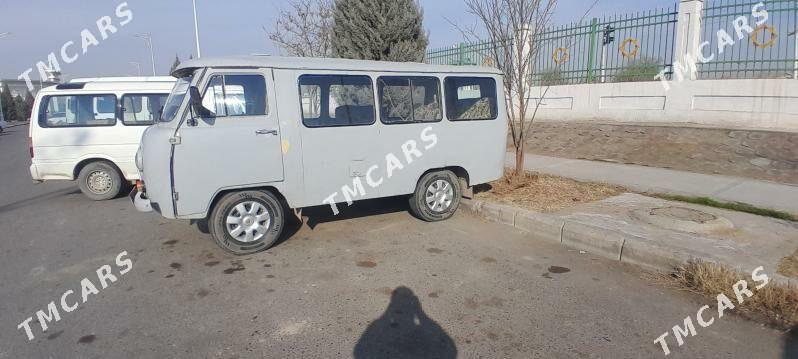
[460, 172]
[86, 162]
[219, 195]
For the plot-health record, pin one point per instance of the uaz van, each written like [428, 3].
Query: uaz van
[243, 139]
[89, 130]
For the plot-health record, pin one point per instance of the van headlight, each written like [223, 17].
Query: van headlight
[139, 160]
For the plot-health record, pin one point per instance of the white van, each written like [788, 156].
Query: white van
[243, 139]
[89, 130]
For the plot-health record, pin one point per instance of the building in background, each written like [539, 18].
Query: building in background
[19, 87]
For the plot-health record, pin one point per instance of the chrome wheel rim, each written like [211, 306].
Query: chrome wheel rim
[248, 222]
[99, 182]
[439, 196]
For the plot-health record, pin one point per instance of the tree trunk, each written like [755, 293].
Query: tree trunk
[519, 158]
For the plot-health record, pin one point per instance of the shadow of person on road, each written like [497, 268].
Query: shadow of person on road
[404, 331]
[791, 344]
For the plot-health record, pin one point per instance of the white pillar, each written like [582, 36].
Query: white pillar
[688, 35]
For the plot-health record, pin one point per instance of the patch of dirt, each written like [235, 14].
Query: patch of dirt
[765, 155]
[544, 193]
[788, 266]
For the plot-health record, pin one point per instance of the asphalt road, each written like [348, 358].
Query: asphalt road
[371, 283]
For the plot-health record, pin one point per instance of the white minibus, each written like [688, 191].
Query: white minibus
[244, 139]
[89, 130]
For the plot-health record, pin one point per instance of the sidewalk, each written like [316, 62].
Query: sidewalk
[659, 180]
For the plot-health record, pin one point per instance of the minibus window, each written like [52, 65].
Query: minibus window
[175, 98]
[235, 95]
[80, 111]
[141, 109]
[471, 98]
[213, 99]
[332, 100]
[409, 99]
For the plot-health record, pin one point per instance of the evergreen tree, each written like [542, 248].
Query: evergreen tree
[22, 113]
[8, 104]
[379, 30]
[175, 64]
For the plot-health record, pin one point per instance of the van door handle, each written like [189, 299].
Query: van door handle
[266, 132]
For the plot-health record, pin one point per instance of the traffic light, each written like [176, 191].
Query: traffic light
[609, 34]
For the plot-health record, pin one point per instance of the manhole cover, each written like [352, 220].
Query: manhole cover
[683, 214]
[683, 219]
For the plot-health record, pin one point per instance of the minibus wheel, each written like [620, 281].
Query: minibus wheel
[100, 181]
[437, 196]
[246, 222]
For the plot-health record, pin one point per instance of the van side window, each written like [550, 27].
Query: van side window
[331, 100]
[79, 111]
[471, 98]
[236, 95]
[409, 99]
[141, 109]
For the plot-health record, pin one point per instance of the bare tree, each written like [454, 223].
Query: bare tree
[511, 26]
[305, 29]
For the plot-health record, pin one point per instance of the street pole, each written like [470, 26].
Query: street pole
[196, 28]
[148, 41]
[2, 35]
[138, 67]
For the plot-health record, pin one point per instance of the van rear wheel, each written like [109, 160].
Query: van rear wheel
[247, 222]
[100, 181]
[437, 196]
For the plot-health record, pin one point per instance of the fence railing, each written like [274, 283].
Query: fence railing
[480, 54]
[769, 52]
[637, 47]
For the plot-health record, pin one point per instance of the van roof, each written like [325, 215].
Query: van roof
[311, 63]
[156, 84]
[126, 79]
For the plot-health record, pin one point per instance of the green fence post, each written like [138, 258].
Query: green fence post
[461, 58]
[591, 60]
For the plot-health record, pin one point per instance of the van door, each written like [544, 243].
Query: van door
[237, 144]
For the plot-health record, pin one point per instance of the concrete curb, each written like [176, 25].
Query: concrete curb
[17, 124]
[608, 243]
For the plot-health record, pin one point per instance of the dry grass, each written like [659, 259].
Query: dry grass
[545, 193]
[776, 304]
[788, 265]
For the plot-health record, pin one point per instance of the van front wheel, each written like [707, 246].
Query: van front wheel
[246, 222]
[100, 181]
[437, 196]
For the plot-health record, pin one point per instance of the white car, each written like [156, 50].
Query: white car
[89, 129]
[3, 124]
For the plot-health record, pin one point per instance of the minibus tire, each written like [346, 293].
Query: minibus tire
[110, 174]
[227, 207]
[418, 203]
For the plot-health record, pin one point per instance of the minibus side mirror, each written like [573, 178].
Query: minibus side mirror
[195, 102]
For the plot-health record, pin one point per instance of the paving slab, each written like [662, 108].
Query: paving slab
[669, 232]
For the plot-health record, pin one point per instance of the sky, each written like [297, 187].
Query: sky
[230, 27]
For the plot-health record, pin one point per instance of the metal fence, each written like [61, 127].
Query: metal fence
[636, 47]
[771, 51]
[480, 54]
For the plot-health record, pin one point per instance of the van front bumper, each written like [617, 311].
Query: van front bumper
[141, 203]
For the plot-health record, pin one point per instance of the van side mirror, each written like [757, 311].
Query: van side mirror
[195, 102]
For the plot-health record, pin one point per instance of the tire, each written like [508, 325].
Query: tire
[100, 181]
[251, 233]
[437, 196]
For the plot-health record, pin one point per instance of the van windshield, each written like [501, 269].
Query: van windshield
[175, 99]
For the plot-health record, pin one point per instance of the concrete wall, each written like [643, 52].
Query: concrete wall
[753, 104]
